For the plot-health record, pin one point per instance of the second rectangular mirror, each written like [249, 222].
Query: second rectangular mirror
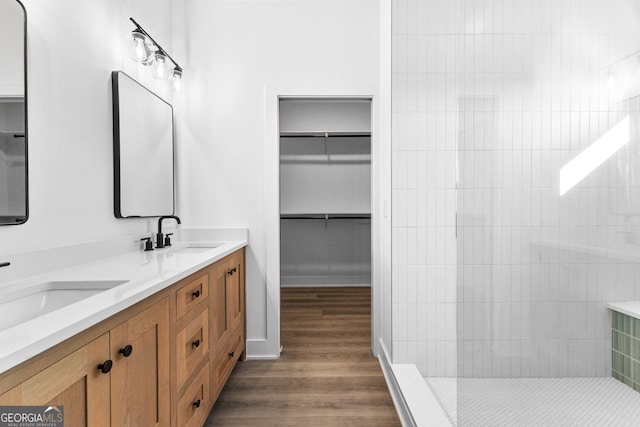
[143, 150]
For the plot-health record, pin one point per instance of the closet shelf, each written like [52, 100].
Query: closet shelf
[320, 147]
[324, 134]
[326, 216]
[326, 158]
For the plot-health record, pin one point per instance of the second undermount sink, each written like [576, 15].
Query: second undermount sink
[21, 305]
[197, 247]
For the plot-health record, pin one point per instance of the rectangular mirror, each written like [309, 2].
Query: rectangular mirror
[13, 114]
[143, 150]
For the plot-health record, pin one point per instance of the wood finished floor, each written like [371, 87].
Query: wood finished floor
[326, 375]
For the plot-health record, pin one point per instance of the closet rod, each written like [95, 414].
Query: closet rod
[14, 134]
[324, 134]
[325, 216]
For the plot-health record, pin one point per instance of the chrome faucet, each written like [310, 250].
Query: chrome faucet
[160, 241]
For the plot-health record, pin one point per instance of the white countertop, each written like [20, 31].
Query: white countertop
[145, 273]
[630, 308]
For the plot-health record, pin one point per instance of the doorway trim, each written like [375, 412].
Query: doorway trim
[273, 94]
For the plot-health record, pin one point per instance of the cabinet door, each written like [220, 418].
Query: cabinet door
[220, 325]
[235, 292]
[73, 382]
[140, 381]
[227, 301]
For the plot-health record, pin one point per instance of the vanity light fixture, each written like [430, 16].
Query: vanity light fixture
[144, 49]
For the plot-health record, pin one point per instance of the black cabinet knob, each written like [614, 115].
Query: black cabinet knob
[231, 354]
[126, 351]
[106, 366]
[197, 403]
[196, 343]
[196, 294]
[234, 269]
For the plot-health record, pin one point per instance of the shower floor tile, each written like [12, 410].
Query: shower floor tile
[537, 401]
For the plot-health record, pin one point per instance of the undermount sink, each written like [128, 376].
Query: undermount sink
[21, 305]
[197, 248]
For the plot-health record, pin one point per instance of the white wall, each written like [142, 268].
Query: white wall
[382, 172]
[72, 47]
[239, 53]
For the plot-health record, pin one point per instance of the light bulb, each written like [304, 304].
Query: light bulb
[160, 69]
[176, 79]
[138, 48]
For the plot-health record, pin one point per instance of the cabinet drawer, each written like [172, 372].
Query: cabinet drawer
[191, 294]
[194, 404]
[192, 345]
[226, 360]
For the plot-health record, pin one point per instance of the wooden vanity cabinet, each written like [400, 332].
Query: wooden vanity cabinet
[73, 382]
[170, 356]
[118, 379]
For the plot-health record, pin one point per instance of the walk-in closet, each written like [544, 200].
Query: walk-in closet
[325, 192]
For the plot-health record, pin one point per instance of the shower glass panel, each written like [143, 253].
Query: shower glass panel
[516, 217]
[548, 206]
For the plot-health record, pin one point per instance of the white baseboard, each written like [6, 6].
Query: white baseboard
[259, 350]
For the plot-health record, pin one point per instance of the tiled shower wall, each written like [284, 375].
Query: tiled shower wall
[424, 140]
[490, 100]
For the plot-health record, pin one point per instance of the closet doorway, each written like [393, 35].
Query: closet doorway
[325, 220]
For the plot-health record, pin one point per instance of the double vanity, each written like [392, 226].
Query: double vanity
[138, 338]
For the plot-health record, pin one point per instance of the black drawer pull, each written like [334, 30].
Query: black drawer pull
[126, 351]
[196, 343]
[106, 366]
[231, 354]
[196, 294]
[197, 403]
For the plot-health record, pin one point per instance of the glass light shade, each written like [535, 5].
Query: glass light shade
[161, 67]
[152, 54]
[138, 47]
[176, 79]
